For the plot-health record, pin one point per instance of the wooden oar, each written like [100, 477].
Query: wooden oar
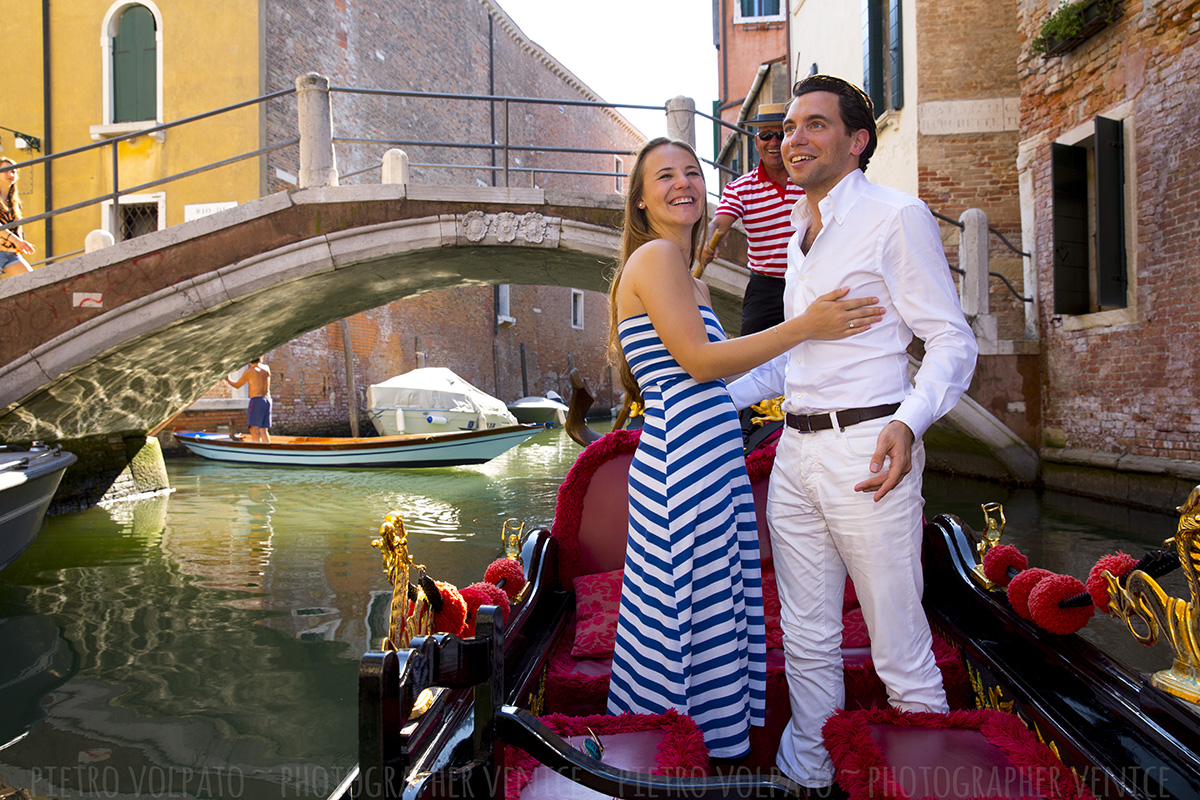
[712, 245]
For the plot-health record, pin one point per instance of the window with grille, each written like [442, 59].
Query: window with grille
[137, 214]
[134, 66]
[1090, 256]
[883, 54]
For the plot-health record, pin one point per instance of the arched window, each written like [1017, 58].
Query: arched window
[135, 66]
[131, 68]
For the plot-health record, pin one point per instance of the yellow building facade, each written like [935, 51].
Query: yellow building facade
[115, 67]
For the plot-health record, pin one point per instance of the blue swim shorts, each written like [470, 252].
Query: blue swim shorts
[258, 415]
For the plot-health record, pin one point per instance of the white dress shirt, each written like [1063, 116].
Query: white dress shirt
[883, 243]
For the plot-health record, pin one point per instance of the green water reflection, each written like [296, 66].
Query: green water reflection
[206, 643]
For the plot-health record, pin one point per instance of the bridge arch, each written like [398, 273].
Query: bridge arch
[183, 306]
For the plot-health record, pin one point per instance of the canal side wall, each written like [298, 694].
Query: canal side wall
[110, 469]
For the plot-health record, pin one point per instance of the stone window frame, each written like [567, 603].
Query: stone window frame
[577, 304]
[1079, 135]
[108, 29]
[158, 199]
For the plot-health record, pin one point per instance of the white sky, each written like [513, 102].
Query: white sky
[631, 51]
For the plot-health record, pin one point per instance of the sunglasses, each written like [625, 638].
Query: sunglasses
[767, 136]
[593, 746]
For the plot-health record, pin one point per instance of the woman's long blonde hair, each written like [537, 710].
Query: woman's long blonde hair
[635, 233]
[11, 201]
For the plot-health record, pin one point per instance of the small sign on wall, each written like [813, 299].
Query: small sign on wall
[87, 300]
[193, 211]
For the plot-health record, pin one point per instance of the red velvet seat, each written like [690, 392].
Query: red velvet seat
[885, 753]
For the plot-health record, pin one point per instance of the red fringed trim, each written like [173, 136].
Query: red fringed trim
[508, 570]
[1021, 586]
[681, 753]
[1044, 600]
[997, 561]
[569, 690]
[1119, 564]
[568, 511]
[760, 460]
[453, 616]
[864, 773]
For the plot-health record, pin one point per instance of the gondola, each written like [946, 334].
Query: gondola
[515, 711]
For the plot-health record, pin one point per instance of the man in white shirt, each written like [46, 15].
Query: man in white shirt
[842, 499]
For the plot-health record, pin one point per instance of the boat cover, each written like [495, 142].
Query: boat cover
[434, 388]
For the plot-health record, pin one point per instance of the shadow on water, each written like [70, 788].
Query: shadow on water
[206, 643]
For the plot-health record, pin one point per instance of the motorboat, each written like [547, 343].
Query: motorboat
[548, 410]
[433, 400]
[412, 450]
[517, 711]
[28, 481]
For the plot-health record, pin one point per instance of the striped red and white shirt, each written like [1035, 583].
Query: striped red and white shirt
[765, 209]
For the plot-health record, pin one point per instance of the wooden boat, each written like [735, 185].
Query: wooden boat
[28, 481]
[414, 450]
[1035, 714]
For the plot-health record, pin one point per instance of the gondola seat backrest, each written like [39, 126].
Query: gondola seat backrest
[591, 521]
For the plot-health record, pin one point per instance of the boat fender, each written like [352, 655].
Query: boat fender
[435, 419]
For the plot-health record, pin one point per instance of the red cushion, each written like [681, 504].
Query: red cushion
[597, 602]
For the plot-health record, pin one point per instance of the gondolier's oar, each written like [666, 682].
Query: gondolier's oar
[712, 245]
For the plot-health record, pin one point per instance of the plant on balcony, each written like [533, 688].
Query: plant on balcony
[1071, 24]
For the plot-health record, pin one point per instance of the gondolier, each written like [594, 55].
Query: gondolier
[762, 199]
[258, 413]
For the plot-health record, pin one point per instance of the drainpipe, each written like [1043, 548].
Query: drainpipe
[47, 166]
[492, 87]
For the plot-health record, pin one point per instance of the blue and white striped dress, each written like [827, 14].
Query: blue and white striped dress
[690, 634]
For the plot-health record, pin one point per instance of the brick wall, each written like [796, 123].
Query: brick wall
[465, 47]
[1130, 387]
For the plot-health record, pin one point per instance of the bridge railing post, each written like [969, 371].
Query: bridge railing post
[974, 261]
[681, 119]
[395, 166]
[318, 163]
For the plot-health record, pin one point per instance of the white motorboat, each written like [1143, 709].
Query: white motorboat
[548, 410]
[432, 400]
[28, 481]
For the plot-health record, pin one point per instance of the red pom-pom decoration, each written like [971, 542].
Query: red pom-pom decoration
[482, 594]
[1044, 600]
[453, 615]
[508, 570]
[1119, 564]
[996, 563]
[1020, 587]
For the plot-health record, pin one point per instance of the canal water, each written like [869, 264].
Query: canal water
[205, 644]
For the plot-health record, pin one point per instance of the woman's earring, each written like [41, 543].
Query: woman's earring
[641, 205]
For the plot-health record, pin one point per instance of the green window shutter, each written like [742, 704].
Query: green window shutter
[896, 42]
[135, 64]
[872, 32]
[1069, 174]
[1111, 279]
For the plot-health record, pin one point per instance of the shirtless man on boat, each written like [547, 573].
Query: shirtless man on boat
[258, 413]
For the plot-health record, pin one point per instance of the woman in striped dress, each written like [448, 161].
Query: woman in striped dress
[690, 632]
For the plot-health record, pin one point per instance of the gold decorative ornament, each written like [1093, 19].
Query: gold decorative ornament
[510, 538]
[403, 623]
[769, 410]
[1143, 599]
[993, 530]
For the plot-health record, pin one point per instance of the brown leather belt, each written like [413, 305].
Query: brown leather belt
[810, 423]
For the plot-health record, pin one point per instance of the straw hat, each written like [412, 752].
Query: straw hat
[768, 114]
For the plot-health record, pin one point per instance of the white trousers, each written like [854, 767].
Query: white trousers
[822, 530]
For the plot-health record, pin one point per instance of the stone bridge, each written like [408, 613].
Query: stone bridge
[119, 340]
